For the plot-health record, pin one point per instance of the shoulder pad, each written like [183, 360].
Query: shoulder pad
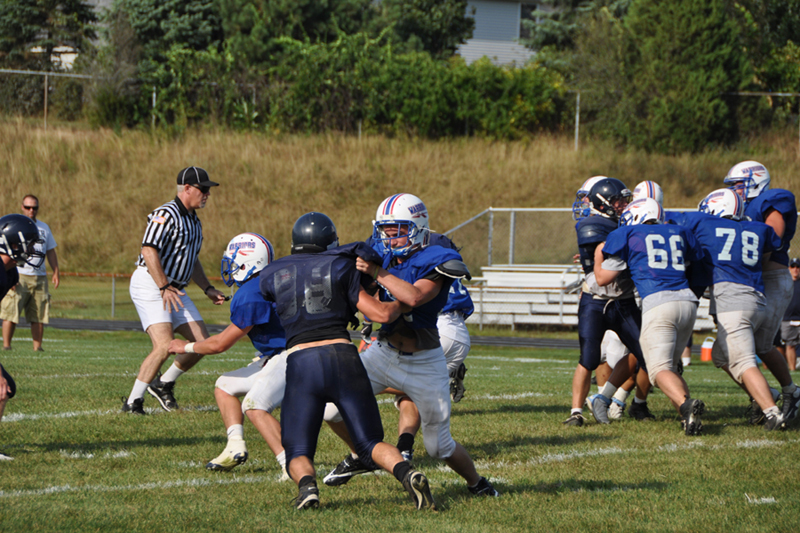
[454, 269]
[591, 231]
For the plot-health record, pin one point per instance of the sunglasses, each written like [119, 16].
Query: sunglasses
[34, 207]
[202, 189]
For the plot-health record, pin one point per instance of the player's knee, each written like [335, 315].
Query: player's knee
[439, 442]
[364, 452]
[738, 368]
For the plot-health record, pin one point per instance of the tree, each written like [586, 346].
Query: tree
[558, 22]
[680, 59]
[434, 26]
[31, 30]
[252, 26]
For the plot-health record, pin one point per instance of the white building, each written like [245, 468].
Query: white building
[498, 28]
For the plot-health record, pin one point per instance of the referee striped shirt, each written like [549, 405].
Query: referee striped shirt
[177, 235]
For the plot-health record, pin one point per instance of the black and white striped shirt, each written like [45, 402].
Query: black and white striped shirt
[177, 235]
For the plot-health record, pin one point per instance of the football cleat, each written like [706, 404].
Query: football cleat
[773, 422]
[616, 409]
[307, 498]
[234, 454]
[791, 402]
[457, 388]
[408, 455]
[599, 409]
[416, 484]
[484, 488]
[755, 416]
[345, 470]
[691, 411]
[4, 457]
[135, 408]
[163, 393]
[575, 419]
[639, 411]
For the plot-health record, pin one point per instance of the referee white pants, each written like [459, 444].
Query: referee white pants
[150, 306]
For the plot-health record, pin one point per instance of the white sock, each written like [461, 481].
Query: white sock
[774, 409]
[576, 412]
[172, 374]
[621, 394]
[236, 432]
[686, 361]
[608, 390]
[281, 457]
[637, 400]
[139, 387]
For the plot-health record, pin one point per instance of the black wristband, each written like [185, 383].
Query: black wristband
[208, 289]
[165, 287]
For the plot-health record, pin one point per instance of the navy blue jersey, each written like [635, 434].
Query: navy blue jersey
[656, 254]
[316, 294]
[416, 267]
[249, 308]
[8, 278]
[782, 201]
[793, 311]
[736, 249]
[592, 231]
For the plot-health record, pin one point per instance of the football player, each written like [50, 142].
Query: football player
[736, 249]
[776, 208]
[18, 239]
[602, 308]
[245, 257]
[407, 357]
[657, 255]
[318, 291]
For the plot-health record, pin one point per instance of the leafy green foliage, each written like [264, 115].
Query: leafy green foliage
[43, 24]
[434, 26]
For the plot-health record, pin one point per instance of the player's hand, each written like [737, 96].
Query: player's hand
[176, 346]
[367, 267]
[576, 258]
[366, 332]
[216, 296]
[172, 299]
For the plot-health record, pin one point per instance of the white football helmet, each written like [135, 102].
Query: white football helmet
[751, 177]
[649, 189]
[641, 211]
[723, 203]
[581, 207]
[245, 256]
[409, 215]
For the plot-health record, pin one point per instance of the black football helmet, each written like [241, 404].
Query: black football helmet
[604, 193]
[312, 233]
[18, 239]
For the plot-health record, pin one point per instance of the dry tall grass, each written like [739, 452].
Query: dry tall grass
[97, 187]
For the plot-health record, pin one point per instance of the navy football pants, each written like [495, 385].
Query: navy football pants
[596, 316]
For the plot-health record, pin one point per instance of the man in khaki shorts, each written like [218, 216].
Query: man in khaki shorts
[31, 293]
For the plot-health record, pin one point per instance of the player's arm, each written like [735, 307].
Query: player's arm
[381, 312]
[775, 220]
[602, 276]
[200, 278]
[52, 259]
[421, 292]
[219, 343]
[169, 295]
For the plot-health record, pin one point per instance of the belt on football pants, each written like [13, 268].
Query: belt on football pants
[389, 344]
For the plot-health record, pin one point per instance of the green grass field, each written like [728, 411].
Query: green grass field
[80, 465]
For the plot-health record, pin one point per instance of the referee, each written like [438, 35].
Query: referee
[168, 261]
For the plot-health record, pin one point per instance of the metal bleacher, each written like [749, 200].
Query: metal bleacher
[529, 295]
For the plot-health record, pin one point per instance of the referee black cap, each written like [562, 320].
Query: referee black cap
[795, 262]
[195, 176]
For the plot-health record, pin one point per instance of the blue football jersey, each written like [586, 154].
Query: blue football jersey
[249, 308]
[736, 249]
[316, 295]
[782, 201]
[656, 254]
[414, 268]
